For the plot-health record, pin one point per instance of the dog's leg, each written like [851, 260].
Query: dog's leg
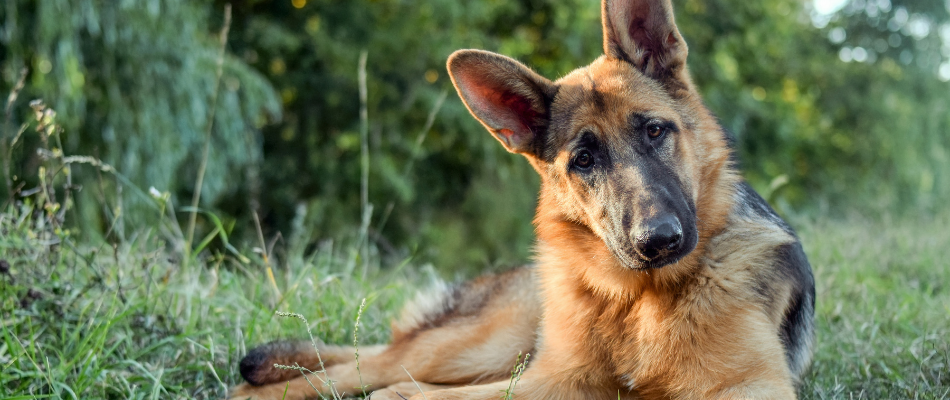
[257, 367]
[405, 390]
[464, 351]
[378, 368]
[528, 388]
[345, 379]
[298, 388]
[466, 334]
[475, 335]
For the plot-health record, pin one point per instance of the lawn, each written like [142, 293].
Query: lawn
[883, 308]
[131, 320]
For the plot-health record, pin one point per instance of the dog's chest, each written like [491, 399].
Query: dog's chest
[664, 337]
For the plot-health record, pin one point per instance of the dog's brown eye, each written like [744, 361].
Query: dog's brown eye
[655, 130]
[584, 159]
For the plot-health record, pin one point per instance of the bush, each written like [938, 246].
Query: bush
[134, 85]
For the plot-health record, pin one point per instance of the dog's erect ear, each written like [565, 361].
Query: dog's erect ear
[643, 33]
[508, 98]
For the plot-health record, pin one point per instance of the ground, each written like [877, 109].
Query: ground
[132, 320]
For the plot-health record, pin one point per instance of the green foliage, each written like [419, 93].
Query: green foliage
[813, 131]
[103, 322]
[126, 319]
[458, 197]
[126, 322]
[812, 128]
[132, 85]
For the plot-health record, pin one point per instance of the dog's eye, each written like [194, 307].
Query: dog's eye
[584, 160]
[655, 130]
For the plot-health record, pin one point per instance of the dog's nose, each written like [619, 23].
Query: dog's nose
[661, 235]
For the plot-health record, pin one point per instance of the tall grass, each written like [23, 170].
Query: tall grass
[206, 148]
[126, 321]
[120, 317]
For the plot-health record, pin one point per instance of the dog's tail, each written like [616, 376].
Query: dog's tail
[258, 366]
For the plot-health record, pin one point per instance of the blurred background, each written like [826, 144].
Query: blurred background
[839, 107]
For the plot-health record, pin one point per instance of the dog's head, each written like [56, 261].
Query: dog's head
[624, 146]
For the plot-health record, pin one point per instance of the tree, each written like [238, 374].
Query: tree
[845, 110]
[133, 85]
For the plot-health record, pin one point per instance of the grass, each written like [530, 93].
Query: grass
[145, 318]
[883, 310]
[124, 321]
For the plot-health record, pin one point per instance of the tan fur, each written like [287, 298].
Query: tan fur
[599, 320]
[478, 341]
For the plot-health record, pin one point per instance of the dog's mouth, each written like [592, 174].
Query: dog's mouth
[632, 259]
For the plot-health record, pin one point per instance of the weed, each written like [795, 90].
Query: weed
[356, 345]
[199, 180]
[326, 381]
[422, 392]
[516, 371]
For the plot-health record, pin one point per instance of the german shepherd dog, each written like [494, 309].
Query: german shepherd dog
[659, 273]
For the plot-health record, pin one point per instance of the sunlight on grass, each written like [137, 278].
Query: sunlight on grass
[883, 309]
[104, 322]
